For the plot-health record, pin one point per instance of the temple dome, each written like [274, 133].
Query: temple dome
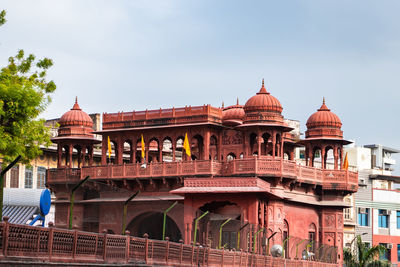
[76, 117]
[233, 115]
[324, 117]
[324, 124]
[263, 108]
[263, 101]
[75, 123]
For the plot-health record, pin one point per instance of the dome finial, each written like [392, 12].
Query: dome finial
[237, 101]
[263, 90]
[222, 104]
[76, 105]
[323, 106]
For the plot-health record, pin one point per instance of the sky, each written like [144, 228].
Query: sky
[132, 55]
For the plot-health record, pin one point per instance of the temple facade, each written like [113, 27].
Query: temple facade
[242, 168]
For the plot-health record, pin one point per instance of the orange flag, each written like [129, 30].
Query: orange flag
[186, 145]
[345, 163]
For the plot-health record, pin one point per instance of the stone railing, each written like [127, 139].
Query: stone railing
[263, 167]
[183, 115]
[21, 243]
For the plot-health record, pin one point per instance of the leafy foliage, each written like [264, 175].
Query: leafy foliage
[24, 94]
[364, 256]
[2, 17]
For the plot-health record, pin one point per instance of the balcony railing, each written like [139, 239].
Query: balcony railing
[264, 167]
[22, 244]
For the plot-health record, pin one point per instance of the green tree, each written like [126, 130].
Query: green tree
[364, 256]
[24, 94]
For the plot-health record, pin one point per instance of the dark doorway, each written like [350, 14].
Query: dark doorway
[152, 224]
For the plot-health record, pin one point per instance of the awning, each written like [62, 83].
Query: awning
[20, 214]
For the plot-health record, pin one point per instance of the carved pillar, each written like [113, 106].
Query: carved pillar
[147, 148]
[292, 154]
[206, 145]
[131, 152]
[70, 151]
[134, 149]
[323, 159]
[83, 156]
[273, 143]
[331, 230]
[59, 154]
[306, 156]
[188, 219]
[259, 142]
[246, 145]
[91, 151]
[79, 156]
[104, 151]
[311, 155]
[173, 151]
[160, 149]
[119, 152]
[335, 157]
[219, 148]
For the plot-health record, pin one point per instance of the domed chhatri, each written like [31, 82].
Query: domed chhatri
[324, 123]
[233, 115]
[75, 122]
[76, 116]
[263, 107]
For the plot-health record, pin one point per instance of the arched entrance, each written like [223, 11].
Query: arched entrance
[152, 224]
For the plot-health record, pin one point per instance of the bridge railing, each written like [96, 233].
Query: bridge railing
[19, 242]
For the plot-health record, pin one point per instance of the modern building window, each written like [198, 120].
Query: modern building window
[28, 177]
[398, 252]
[383, 218]
[41, 177]
[14, 177]
[363, 216]
[386, 254]
[398, 219]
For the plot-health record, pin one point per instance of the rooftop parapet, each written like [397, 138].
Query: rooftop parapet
[170, 116]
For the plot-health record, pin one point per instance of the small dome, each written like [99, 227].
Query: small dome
[263, 101]
[76, 117]
[233, 115]
[324, 117]
[324, 124]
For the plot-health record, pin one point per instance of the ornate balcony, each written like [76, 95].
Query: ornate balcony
[262, 167]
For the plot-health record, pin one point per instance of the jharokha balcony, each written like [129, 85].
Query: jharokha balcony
[264, 167]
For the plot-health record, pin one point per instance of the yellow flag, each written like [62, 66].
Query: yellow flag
[186, 146]
[109, 147]
[143, 148]
[346, 163]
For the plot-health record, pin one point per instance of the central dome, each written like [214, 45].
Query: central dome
[263, 101]
[263, 108]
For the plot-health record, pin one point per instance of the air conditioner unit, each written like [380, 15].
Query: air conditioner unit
[389, 246]
[362, 210]
[362, 182]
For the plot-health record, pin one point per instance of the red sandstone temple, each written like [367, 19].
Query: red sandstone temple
[242, 167]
